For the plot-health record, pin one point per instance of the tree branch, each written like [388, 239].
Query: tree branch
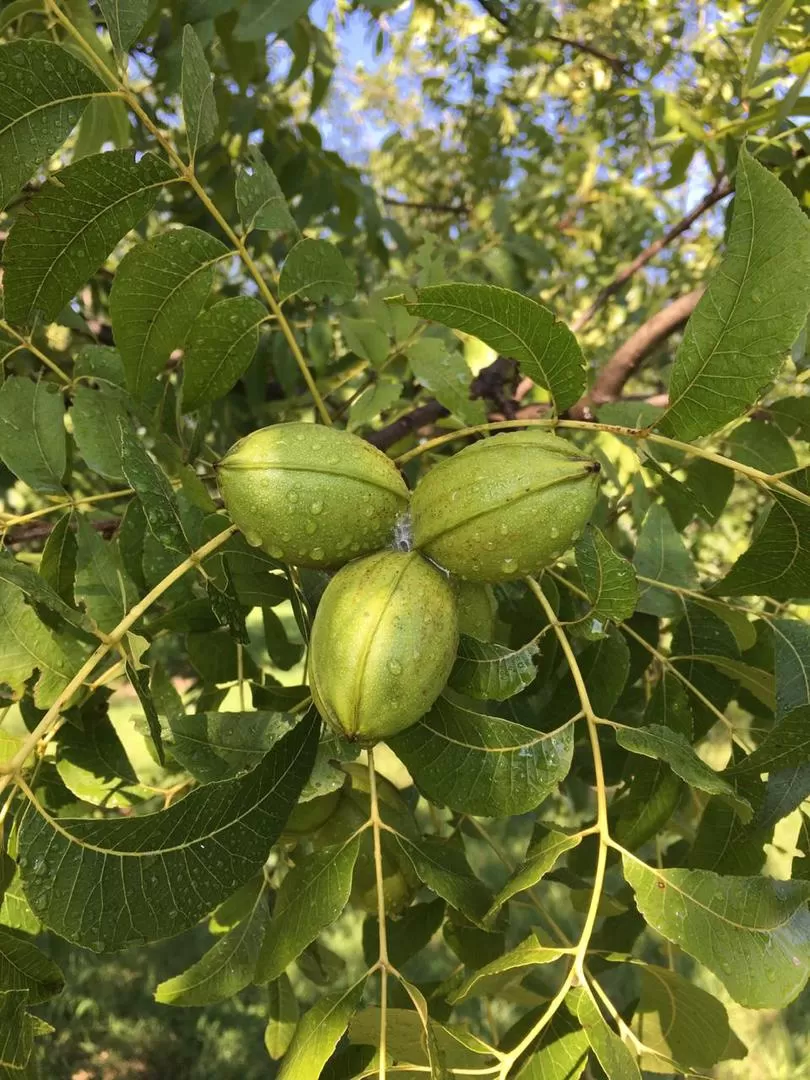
[495, 383]
[612, 377]
[620, 67]
[41, 530]
[721, 189]
[432, 207]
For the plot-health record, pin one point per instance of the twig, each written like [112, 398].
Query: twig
[620, 67]
[719, 191]
[433, 207]
[491, 383]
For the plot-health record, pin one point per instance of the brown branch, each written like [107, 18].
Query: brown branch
[432, 207]
[41, 530]
[620, 67]
[721, 189]
[495, 383]
[420, 417]
[612, 377]
[502, 17]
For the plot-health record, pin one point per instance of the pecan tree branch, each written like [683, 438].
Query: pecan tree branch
[432, 207]
[719, 191]
[41, 530]
[612, 377]
[502, 17]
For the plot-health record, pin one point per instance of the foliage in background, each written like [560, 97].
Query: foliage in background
[209, 224]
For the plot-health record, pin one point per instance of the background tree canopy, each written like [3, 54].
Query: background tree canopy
[419, 222]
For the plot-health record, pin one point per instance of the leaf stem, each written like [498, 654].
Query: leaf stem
[664, 661]
[10, 770]
[63, 504]
[767, 479]
[187, 173]
[577, 969]
[26, 343]
[383, 961]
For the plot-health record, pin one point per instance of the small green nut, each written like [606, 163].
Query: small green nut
[308, 817]
[311, 495]
[504, 507]
[477, 610]
[383, 643]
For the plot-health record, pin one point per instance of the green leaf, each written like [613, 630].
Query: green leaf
[710, 486]
[662, 556]
[777, 564]
[444, 869]
[761, 445]
[197, 93]
[225, 969]
[791, 643]
[614, 1056]
[663, 744]
[102, 584]
[56, 572]
[138, 676]
[374, 400]
[71, 225]
[14, 911]
[33, 441]
[218, 745]
[319, 1031]
[101, 364]
[655, 790]
[27, 645]
[608, 579]
[258, 18]
[94, 766]
[16, 1029]
[546, 848]
[282, 1017]
[316, 270]
[605, 665]
[492, 672]
[754, 309]
[406, 935]
[15, 9]
[37, 113]
[701, 639]
[324, 878]
[219, 349]
[24, 967]
[124, 19]
[158, 292]
[35, 586]
[107, 884]
[155, 492]
[97, 418]
[563, 1051]
[366, 339]
[490, 979]
[259, 197]
[406, 1036]
[480, 764]
[792, 416]
[444, 372]
[787, 743]
[752, 932]
[768, 20]
[105, 120]
[513, 325]
[681, 1022]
